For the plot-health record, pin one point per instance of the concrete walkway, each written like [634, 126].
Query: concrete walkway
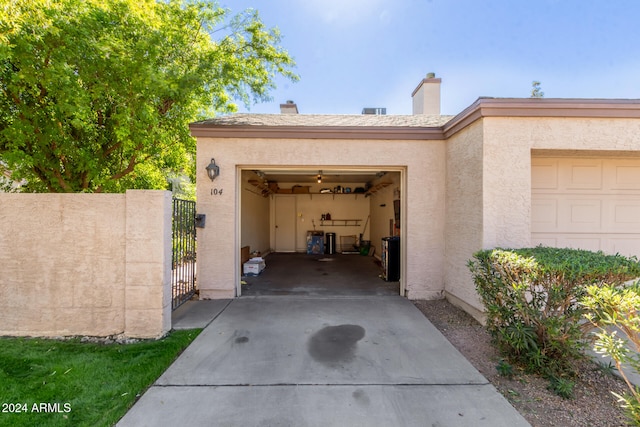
[319, 361]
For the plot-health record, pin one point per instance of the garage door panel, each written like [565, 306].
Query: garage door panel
[544, 214]
[581, 214]
[626, 215]
[590, 243]
[544, 239]
[581, 175]
[623, 175]
[628, 245]
[544, 175]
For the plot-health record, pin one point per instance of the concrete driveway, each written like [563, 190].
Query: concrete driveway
[319, 361]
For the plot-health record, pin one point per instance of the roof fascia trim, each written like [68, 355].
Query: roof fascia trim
[559, 108]
[319, 132]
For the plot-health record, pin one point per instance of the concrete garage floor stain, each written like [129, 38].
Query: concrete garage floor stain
[335, 344]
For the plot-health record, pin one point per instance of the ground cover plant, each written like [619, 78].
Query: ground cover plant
[49, 382]
[531, 297]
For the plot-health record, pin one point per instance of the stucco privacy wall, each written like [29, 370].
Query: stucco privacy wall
[424, 163]
[85, 264]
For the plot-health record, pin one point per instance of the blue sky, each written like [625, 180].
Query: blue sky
[352, 54]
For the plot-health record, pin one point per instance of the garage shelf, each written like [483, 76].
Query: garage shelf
[341, 222]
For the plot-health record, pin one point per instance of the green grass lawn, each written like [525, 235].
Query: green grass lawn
[71, 383]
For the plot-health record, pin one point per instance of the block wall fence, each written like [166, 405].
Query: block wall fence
[85, 264]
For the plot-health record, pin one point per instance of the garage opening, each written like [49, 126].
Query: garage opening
[320, 231]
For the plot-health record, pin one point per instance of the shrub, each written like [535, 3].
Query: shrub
[531, 299]
[612, 309]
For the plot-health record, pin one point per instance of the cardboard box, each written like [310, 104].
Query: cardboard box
[301, 189]
[284, 191]
[253, 267]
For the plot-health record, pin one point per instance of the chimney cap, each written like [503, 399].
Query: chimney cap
[431, 75]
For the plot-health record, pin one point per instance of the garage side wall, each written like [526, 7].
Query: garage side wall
[85, 264]
[424, 162]
[464, 219]
[255, 216]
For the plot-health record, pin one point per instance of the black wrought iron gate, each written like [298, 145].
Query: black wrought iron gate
[183, 262]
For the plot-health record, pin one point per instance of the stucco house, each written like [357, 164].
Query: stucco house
[503, 172]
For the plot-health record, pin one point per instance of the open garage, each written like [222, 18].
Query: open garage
[330, 217]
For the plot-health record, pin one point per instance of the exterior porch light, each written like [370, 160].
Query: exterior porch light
[213, 170]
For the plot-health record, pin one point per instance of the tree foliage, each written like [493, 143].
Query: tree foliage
[96, 95]
[536, 91]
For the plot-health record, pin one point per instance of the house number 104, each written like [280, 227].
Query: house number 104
[216, 191]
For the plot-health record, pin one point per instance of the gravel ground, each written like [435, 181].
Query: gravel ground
[592, 404]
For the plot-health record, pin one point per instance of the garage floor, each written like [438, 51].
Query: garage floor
[324, 275]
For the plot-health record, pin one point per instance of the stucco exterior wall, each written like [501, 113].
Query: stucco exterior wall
[464, 218]
[85, 264]
[507, 164]
[489, 182]
[423, 188]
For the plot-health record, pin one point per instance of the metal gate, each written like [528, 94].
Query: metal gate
[183, 260]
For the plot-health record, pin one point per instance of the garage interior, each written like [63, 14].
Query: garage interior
[320, 231]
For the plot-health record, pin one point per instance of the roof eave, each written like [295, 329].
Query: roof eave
[317, 132]
[535, 107]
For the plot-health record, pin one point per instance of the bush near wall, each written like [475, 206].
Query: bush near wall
[531, 297]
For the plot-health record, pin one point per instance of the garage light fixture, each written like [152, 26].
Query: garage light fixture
[213, 170]
[319, 177]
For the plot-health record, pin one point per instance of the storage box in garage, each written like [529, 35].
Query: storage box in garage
[300, 189]
[254, 266]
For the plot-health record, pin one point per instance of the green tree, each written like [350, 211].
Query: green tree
[96, 95]
[536, 92]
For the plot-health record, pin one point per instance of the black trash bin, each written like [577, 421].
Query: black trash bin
[330, 247]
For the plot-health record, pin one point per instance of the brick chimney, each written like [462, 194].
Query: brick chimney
[289, 108]
[426, 97]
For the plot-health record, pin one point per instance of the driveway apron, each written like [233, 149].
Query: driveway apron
[321, 361]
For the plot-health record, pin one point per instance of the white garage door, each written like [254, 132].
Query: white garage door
[586, 203]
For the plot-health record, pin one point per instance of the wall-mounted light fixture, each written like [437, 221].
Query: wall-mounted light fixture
[319, 177]
[213, 170]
